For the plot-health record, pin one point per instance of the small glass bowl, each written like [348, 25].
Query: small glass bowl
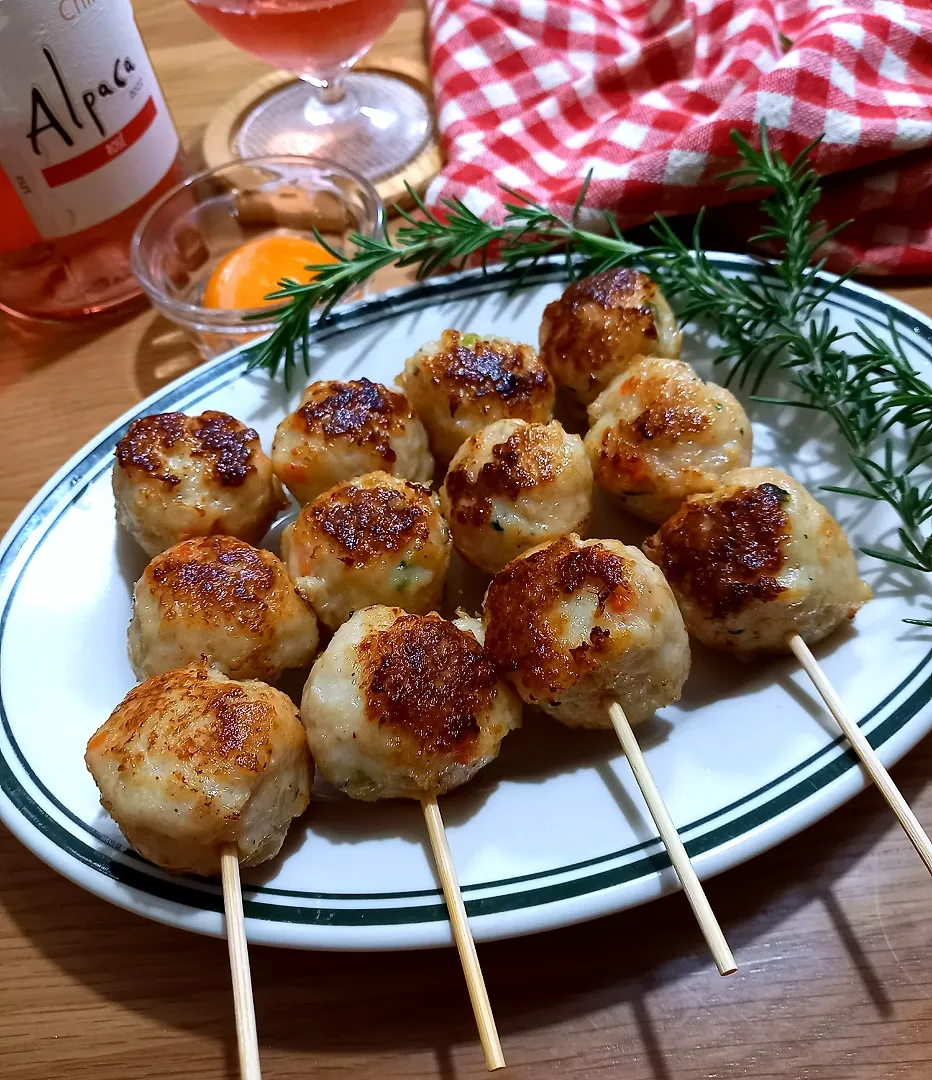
[193, 226]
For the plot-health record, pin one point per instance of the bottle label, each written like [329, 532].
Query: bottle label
[84, 129]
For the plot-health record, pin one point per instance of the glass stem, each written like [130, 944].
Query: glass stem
[330, 91]
[330, 102]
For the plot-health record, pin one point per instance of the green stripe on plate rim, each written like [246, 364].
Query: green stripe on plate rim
[129, 869]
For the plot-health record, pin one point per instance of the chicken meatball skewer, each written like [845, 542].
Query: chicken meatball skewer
[344, 429]
[600, 325]
[201, 773]
[411, 706]
[512, 486]
[759, 566]
[659, 433]
[176, 477]
[218, 597]
[373, 540]
[464, 382]
[589, 631]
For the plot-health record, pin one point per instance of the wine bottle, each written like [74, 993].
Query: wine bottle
[86, 146]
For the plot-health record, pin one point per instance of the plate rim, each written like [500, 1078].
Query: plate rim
[709, 859]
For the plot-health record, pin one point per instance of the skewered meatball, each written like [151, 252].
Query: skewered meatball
[660, 433]
[218, 597]
[463, 382]
[756, 560]
[578, 622]
[180, 476]
[344, 429]
[404, 706]
[513, 485]
[600, 324]
[191, 761]
[376, 539]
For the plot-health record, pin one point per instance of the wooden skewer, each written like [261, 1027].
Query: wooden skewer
[859, 744]
[246, 1038]
[462, 935]
[695, 894]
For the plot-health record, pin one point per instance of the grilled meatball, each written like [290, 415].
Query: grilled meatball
[600, 324]
[513, 485]
[218, 597]
[191, 761]
[576, 623]
[404, 706]
[344, 429]
[659, 433]
[373, 540]
[463, 382]
[756, 560]
[178, 476]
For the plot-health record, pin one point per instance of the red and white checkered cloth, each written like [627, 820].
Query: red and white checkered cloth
[534, 93]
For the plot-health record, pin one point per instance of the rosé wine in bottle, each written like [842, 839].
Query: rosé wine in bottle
[86, 146]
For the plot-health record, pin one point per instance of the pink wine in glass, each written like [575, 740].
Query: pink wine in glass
[308, 37]
[371, 121]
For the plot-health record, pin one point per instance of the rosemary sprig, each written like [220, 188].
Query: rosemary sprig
[759, 319]
[528, 233]
[863, 383]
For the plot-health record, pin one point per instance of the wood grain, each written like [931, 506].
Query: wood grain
[831, 930]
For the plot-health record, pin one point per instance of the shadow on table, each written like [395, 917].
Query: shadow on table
[27, 345]
[164, 353]
[367, 1005]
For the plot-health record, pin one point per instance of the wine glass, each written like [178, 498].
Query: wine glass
[367, 120]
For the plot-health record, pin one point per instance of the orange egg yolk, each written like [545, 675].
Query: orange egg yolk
[243, 277]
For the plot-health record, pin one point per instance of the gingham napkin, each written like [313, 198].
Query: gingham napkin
[534, 93]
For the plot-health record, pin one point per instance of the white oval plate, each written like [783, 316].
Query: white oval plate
[553, 832]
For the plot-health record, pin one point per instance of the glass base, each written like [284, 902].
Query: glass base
[380, 124]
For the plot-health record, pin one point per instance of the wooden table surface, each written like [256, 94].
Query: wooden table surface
[831, 930]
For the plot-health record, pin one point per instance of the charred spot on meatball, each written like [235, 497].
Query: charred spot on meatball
[222, 728]
[612, 289]
[520, 463]
[482, 368]
[146, 440]
[780, 494]
[238, 732]
[666, 419]
[367, 521]
[726, 553]
[361, 411]
[215, 578]
[216, 436]
[227, 443]
[520, 602]
[427, 679]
